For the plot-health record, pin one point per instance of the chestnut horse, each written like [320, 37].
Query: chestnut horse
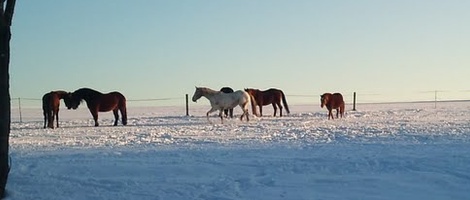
[270, 96]
[99, 102]
[333, 101]
[227, 112]
[50, 107]
[221, 101]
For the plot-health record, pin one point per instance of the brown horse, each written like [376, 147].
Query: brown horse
[99, 102]
[333, 101]
[50, 107]
[270, 96]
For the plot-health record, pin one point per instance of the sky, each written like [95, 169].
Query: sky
[150, 49]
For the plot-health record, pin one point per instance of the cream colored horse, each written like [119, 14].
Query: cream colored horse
[220, 101]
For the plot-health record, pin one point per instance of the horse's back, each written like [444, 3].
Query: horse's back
[110, 101]
[238, 96]
[337, 100]
[244, 97]
[273, 90]
[46, 97]
[51, 100]
[116, 96]
[338, 97]
[271, 95]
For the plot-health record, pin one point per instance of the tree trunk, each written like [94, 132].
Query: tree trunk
[5, 105]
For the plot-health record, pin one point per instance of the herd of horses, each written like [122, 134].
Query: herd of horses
[223, 100]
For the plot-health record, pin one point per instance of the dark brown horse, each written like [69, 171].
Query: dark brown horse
[333, 101]
[50, 107]
[99, 102]
[270, 96]
[227, 112]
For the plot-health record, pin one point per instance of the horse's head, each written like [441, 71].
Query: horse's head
[71, 101]
[324, 99]
[197, 94]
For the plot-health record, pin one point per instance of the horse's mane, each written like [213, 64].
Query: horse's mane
[86, 94]
[85, 91]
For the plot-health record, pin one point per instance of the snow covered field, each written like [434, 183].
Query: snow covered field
[381, 151]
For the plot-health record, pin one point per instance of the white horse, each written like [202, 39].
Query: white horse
[220, 101]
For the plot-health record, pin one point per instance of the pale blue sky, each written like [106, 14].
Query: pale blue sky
[386, 50]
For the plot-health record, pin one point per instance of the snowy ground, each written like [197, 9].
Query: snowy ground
[381, 151]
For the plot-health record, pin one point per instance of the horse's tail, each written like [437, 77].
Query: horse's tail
[284, 101]
[123, 109]
[253, 105]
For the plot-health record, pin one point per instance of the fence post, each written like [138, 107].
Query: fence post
[19, 108]
[187, 105]
[354, 101]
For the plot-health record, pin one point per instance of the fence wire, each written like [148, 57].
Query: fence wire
[20, 103]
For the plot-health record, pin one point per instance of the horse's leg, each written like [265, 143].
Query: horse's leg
[45, 117]
[116, 116]
[330, 114]
[275, 109]
[246, 114]
[337, 113]
[50, 119]
[56, 113]
[280, 108]
[209, 112]
[123, 115]
[231, 113]
[260, 110]
[94, 113]
[225, 112]
[221, 111]
[244, 108]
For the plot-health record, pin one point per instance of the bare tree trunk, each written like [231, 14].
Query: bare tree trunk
[5, 104]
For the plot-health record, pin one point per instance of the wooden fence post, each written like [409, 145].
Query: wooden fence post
[354, 101]
[187, 105]
[19, 108]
